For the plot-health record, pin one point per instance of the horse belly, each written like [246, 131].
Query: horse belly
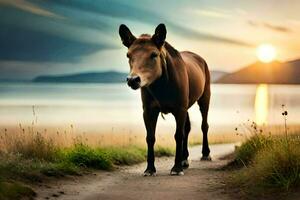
[196, 85]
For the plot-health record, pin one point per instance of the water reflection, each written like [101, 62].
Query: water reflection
[261, 104]
[99, 107]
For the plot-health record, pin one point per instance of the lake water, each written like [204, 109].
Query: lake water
[103, 107]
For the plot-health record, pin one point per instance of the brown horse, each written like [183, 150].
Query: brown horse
[170, 82]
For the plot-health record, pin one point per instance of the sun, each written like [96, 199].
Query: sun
[266, 53]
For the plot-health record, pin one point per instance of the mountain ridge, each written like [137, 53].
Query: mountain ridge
[276, 72]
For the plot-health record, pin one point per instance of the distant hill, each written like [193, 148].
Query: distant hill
[272, 73]
[99, 77]
[91, 77]
[215, 75]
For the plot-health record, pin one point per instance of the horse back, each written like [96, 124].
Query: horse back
[198, 75]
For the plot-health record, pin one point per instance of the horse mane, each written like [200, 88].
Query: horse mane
[170, 59]
[171, 50]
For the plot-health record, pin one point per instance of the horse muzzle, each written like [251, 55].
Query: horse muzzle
[134, 82]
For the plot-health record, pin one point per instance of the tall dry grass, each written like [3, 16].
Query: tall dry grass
[39, 142]
[270, 162]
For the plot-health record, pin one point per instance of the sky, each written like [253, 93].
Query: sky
[39, 37]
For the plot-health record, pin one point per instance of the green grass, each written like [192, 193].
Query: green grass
[251, 147]
[14, 190]
[278, 166]
[32, 162]
[71, 161]
[84, 156]
[106, 158]
[268, 164]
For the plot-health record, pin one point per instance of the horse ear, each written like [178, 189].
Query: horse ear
[160, 35]
[126, 36]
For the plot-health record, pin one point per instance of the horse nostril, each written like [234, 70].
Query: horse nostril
[127, 78]
[133, 82]
[137, 79]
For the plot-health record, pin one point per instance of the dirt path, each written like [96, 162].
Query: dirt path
[200, 181]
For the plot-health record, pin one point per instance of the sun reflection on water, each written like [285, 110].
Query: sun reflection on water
[261, 104]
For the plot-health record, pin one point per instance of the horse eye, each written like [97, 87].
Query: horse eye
[127, 55]
[153, 55]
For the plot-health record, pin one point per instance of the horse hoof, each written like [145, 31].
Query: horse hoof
[149, 173]
[185, 164]
[173, 173]
[206, 158]
[176, 171]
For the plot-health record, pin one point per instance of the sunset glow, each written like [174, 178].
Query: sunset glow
[266, 53]
[261, 104]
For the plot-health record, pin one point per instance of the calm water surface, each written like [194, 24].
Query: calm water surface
[108, 106]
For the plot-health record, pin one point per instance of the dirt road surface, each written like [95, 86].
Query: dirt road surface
[201, 181]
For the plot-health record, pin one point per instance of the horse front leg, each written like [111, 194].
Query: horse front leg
[150, 119]
[180, 118]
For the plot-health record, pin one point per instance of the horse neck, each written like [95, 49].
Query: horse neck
[163, 84]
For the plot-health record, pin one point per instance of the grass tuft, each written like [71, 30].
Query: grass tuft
[126, 156]
[278, 166]
[270, 163]
[14, 190]
[247, 151]
[163, 151]
[27, 156]
[274, 166]
[84, 156]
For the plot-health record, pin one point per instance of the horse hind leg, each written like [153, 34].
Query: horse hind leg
[187, 129]
[203, 103]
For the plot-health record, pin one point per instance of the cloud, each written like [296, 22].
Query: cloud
[267, 25]
[121, 11]
[29, 7]
[277, 28]
[66, 31]
[29, 45]
[28, 37]
[193, 34]
[211, 13]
